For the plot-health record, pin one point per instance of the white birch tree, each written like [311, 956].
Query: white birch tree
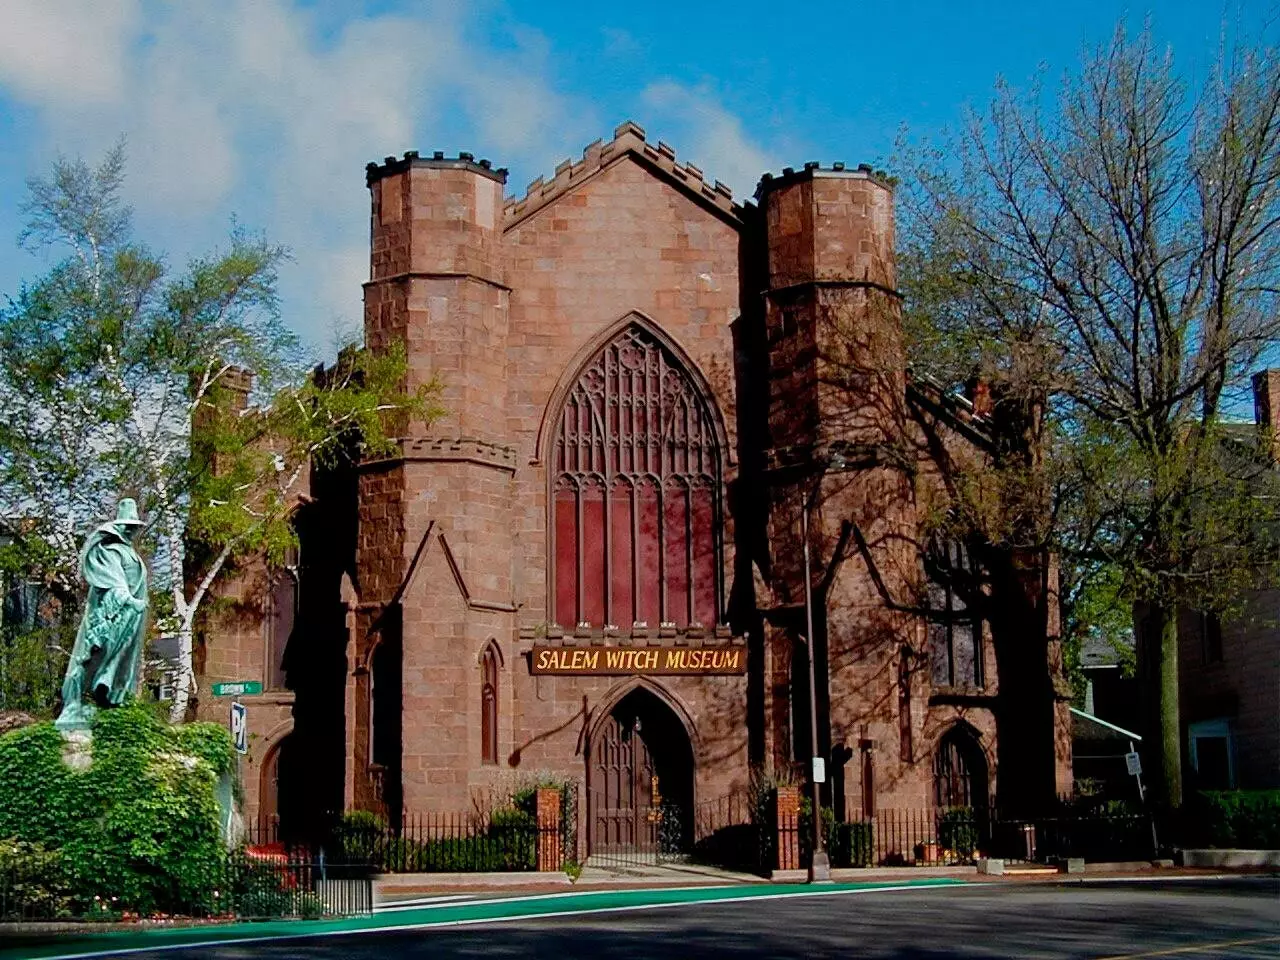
[108, 361]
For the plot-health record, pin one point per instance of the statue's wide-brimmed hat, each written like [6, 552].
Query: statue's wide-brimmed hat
[127, 512]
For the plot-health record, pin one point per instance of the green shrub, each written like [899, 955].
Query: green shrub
[309, 906]
[849, 844]
[958, 832]
[33, 882]
[360, 837]
[139, 828]
[1245, 819]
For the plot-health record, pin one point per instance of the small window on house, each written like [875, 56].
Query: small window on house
[1212, 754]
[489, 706]
[955, 634]
[790, 322]
[1211, 638]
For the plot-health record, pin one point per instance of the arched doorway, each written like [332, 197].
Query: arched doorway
[960, 770]
[278, 794]
[640, 780]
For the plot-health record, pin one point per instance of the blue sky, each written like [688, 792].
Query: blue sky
[267, 110]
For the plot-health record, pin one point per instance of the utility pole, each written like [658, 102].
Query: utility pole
[819, 865]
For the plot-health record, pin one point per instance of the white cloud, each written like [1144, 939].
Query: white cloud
[255, 107]
[66, 50]
[269, 110]
[709, 135]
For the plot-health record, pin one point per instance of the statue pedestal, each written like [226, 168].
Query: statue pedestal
[77, 748]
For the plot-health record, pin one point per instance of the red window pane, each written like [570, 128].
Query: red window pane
[566, 556]
[593, 552]
[705, 563]
[649, 572]
[676, 509]
[622, 610]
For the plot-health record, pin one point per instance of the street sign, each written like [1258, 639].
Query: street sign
[1133, 763]
[237, 688]
[240, 727]
[819, 770]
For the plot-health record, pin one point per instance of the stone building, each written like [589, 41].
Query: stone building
[592, 566]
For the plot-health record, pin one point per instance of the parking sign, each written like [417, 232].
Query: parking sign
[240, 727]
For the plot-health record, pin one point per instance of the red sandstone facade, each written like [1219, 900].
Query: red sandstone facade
[646, 383]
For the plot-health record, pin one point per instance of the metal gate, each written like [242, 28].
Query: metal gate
[630, 822]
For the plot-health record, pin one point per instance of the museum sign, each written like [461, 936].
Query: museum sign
[646, 661]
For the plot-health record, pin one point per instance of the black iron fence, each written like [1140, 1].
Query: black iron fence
[505, 838]
[252, 884]
[440, 843]
[733, 832]
[961, 835]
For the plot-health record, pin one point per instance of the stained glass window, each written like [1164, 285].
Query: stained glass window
[636, 507]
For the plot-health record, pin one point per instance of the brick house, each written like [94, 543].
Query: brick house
[1229, 671]
[592, 565]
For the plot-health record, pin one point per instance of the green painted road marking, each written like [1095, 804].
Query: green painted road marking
[505, 909]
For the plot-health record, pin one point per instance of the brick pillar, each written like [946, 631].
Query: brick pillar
[549, 849]
[788, 805]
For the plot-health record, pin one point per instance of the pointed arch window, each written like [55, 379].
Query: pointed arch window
[959, 770]
[635, 499]
[955, 633]
[489, 705]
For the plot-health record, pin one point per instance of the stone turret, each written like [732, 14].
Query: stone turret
[832, 310]
[437, 284]
[836, 425]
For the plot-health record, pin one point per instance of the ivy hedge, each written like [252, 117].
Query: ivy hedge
[135, 831]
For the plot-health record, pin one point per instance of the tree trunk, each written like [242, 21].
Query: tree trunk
[182, 690]
[1170, 721]
[1026, 747]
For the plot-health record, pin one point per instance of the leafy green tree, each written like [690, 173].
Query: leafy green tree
[117, 377]
[1110, 261]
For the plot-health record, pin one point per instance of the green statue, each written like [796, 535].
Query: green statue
[110, 639]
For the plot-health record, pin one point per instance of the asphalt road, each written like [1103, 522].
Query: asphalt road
[1237, 918]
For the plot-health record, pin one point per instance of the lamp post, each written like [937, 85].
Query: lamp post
[819, 864]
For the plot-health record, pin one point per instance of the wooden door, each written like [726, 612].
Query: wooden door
[623, 790]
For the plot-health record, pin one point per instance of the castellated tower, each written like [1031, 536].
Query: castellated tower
[590, 566]
[837, 428]
[437, 285]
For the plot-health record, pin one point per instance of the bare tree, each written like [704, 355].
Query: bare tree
[1111, 260]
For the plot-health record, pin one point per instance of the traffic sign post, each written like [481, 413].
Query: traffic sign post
[1133, 763]
[237, 688]
[240, 727]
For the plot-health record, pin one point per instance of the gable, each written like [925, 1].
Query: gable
[628, 144]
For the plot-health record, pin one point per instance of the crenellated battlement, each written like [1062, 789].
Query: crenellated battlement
[813, 169]
[628, 137]
[438, 161]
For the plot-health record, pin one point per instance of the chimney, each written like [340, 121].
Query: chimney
[978, 392]
[1266, 408]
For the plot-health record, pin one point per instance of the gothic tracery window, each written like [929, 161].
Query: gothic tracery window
[955, 634]
[636, 493]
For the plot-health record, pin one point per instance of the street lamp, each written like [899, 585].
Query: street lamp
[819, 864]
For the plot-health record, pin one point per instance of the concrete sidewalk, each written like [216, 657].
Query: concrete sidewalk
[389, 888]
